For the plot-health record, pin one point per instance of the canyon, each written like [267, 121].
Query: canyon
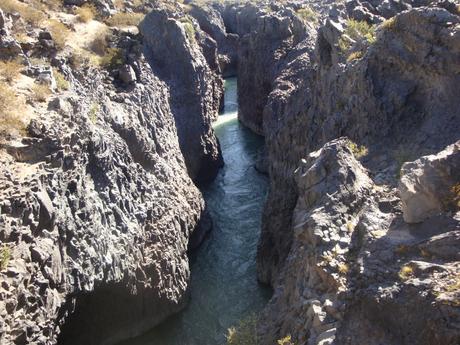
[107, 191]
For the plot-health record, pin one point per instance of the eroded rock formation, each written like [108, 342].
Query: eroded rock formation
[98, 207]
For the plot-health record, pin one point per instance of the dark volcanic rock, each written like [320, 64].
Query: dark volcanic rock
[384, 100]
[260, 52]
[97, 207]
[172, 50]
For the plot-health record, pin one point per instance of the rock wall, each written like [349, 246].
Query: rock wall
[384, 100]
[395, 96]
[172, 49]
[356, 273]
[97, 207]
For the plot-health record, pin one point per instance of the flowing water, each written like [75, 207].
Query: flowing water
[223, 282]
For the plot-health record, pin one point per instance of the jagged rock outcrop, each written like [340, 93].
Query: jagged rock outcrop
[356, 273]
[196, 91]
[383, 100]
[260, 51]
[97, 208]
[97, 216]
[431, 185]
[211, 22]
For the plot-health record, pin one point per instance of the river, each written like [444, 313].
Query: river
[223, 270]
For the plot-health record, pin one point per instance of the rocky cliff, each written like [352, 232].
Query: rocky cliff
[97, 201]
[382, 74]
[173, 50]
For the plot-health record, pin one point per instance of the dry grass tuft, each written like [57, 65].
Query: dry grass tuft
[10, 108]
[125, 19]
[343, 268]
[10, 70]
[86, 13]
[40, 92]
[59, 32]
[61, 82]
[355, 56]
[5, 255]
[30, 14]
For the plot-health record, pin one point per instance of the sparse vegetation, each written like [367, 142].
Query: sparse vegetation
[406, 272]
[389, 24]
[5, 256]
[308, 15]
[245, 333]
[40, 92]
[356, 31]
[59, 32]
[10, 107]
[112, 58]
[402, 249]
[61, 82]
[358, 151]
[99, 45]
[125, 19]
[343, 268]
[355, 55]
[10, 70]
[285, 341]
[30, 14]
[93, 112]
[189, 29]
[86, 13]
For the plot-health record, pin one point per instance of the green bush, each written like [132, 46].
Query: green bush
[355, 31]
[358, 151]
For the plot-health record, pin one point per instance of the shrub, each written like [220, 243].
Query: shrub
[5, 255]
[355, 31]
[10, 70]
[40, 92]
[86, 13]
[99, 44]
[355, 55]
[308, 15]
[125, 19]
[358, 151]
[245, 333]
[389, 24]
[285, 341]
[59, 32]
[112, 58]
[406, 272]
[61, 82]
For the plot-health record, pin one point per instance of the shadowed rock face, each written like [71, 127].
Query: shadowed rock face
[196, 91]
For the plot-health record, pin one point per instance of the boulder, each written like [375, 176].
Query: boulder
[431, 185]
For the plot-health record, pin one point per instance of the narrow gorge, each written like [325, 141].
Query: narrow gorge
[240, 172]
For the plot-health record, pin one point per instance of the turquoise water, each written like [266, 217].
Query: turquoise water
[223, 283]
